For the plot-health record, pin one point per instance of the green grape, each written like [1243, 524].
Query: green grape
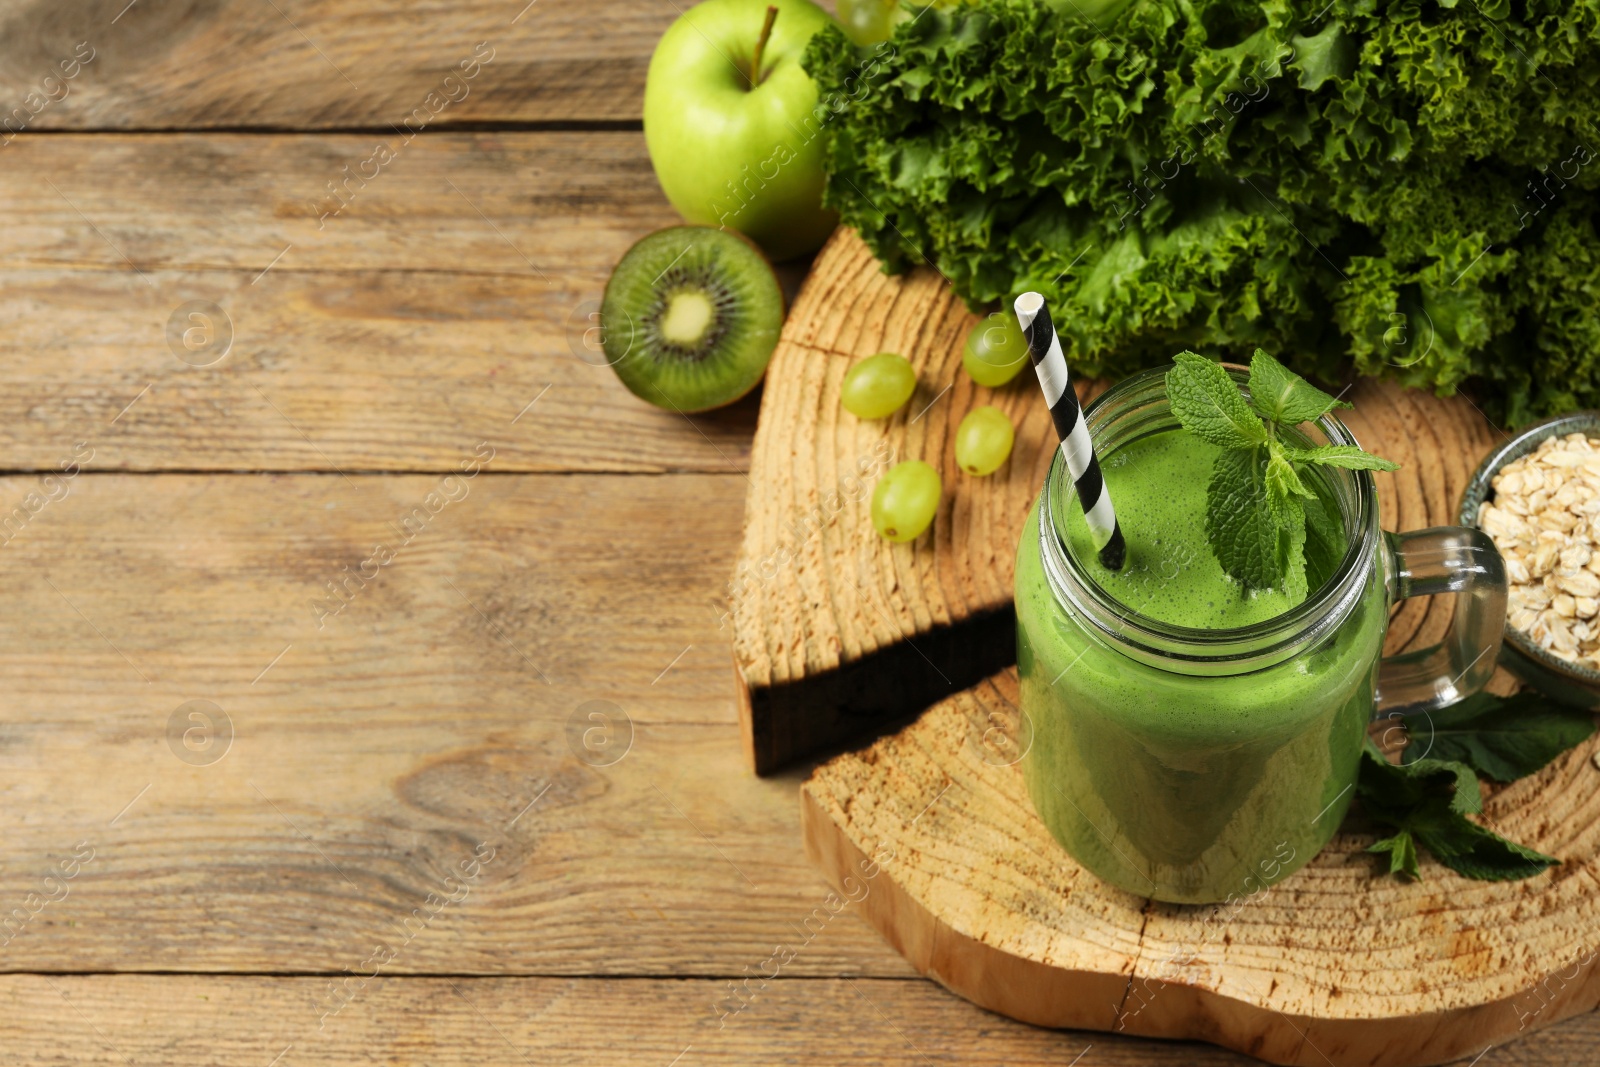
[878, 386]
[904, 500]
[866, 22]
[983, 440]
[995, 350]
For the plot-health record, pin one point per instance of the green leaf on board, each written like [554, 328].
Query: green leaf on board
[1477, 852]
[1502, 738]
[1408, 785]
[1402, 850]
[1428, 802]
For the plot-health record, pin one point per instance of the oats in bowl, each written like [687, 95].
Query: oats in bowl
[1545, 519]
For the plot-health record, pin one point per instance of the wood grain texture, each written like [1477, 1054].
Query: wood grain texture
[371, 756]
[183, 1021]
[454, 290]
[540, 205]
[1332, 965]
[323, 64]
[316, 64]
[837, 631]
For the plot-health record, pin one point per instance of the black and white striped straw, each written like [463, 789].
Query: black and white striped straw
[1044, 348]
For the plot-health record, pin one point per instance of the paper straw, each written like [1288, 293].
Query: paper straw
[1044, 348]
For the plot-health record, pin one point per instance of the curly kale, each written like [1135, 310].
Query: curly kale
[1408, 188]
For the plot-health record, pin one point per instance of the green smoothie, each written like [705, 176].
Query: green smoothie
[1158, 484]
[1168, 780]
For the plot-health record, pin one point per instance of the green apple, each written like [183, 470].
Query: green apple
[732, 150]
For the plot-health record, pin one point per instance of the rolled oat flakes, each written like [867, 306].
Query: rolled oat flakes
[1540, 520]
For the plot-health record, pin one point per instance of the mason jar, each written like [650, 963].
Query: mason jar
[1191, 765]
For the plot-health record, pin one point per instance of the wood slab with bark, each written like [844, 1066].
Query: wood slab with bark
[931, 831]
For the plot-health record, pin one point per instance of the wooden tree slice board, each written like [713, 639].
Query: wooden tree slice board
[839, 634]
[936, 839]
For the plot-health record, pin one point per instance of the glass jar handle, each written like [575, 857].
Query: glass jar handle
[1445, 559]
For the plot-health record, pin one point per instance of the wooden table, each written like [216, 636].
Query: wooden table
[416, 846]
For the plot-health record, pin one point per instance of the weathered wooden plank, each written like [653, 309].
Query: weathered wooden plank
[186, 1020]
[323, 63]
[370, 370]
[372, 756]
[547, 206]
[453, 290]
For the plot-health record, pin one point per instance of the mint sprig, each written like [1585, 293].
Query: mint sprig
[1424, 802]
[1261, 519]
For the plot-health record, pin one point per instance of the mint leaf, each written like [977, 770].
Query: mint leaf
[1402, 850]
[1471, 850]
[1429, 801]
[1503, 738]
[1350, 457]
[1468, 796]
[1209, 405]
[1289, 521]
[1282, 396]
[1285, 492]
[1398, 788]
[1281, 475]
[1324, 540]
[1292, 552]
[1239, 521]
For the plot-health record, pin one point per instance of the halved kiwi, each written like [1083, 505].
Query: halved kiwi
[691, 316]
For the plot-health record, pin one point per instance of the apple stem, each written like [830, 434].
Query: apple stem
[761, 46]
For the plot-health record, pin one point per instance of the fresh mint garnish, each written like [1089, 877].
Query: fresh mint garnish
[1258, 508]
[1347, 456]
[1239, 525]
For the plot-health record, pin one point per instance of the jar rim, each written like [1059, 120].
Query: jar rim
[1210, 651]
